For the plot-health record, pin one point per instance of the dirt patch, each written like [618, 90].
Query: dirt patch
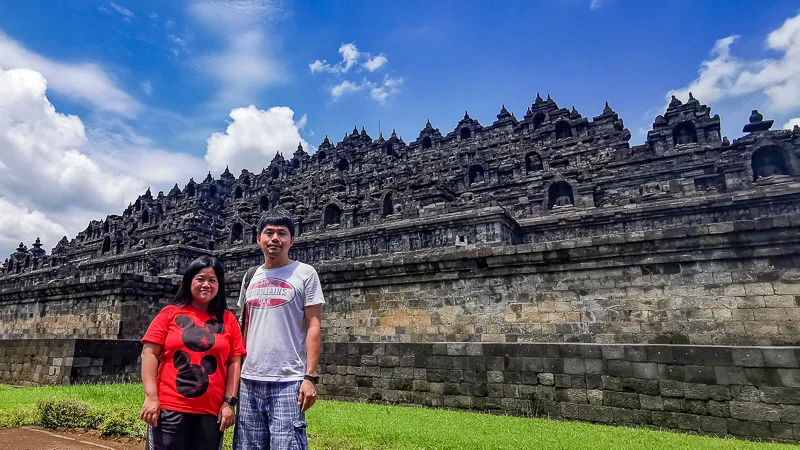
[33, 438]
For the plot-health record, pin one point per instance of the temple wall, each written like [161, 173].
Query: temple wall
[734, 284]
[118, 306]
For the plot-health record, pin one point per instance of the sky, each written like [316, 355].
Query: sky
[100, 100]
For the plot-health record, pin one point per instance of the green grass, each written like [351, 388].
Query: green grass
[339, 425]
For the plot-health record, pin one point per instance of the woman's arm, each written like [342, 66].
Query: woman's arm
[226, 417]
[151, 407]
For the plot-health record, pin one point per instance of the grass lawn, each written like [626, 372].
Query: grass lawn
[340, 425]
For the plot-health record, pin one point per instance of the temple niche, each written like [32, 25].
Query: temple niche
[333, 215]
[533, 162]
[684, 133]
[560, 195]
[769, 162]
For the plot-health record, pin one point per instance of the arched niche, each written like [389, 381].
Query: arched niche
[237, 233]
[538, 121]
[253, 235]
[106, 245]
[684, 133]
[465, 133]
[246, 181]
[769, 161]
[343, 165]
[427, 142]
[389, 147]
[275, 173]
[263, 203]
[563, 130]
[190, 190]
[145, 217]
[533, 162]
[559, 194]
[105, 226]
[332, 215]
[321, 155]
[476, 174]
[237, 193]
[388, 204]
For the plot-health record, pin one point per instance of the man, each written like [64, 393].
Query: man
[281, 303]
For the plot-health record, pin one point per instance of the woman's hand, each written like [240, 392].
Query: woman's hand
[226, 417]
[151, 409]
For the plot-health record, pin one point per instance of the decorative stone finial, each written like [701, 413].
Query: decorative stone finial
[674, 103]
[326, 141]
[466, 115]
[538, 99]
[757, 123]
[394, 134]
[355, 130]
[549, 100]
[504, 114]
[692, 99]
[299, 147]
[363, 131]
[607, 109]
[725, 142]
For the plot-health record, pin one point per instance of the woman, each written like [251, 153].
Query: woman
[190, 363]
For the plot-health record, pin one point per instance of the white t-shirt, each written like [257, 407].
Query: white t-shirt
[276, 331]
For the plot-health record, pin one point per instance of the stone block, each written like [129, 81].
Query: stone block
[754, 411]
[648, 370]
[780, 357]
[651, 402]
[574, 366]
[789, 377]
[716, 425]
[621, 399]
[747, 357]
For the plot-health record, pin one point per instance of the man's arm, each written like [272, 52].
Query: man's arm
[313, 319]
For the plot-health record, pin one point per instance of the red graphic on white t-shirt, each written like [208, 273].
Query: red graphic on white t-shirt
[269, 293]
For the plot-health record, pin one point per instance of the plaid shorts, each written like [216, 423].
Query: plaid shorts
[268, 416]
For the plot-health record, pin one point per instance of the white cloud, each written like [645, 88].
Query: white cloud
[17, 224]
[350, 55]
[378, 91]
[344, 88]
[596, 4]
[375, 63]
[124, 12]
[792, 123]
[246, 63]
[725, 76]
[147, 87]
[84, 82]
[153, 16]
[54, 178]
[390, 86]
[254, 137]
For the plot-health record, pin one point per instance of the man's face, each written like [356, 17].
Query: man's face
[275, 241]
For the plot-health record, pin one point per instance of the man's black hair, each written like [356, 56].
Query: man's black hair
[276, 219]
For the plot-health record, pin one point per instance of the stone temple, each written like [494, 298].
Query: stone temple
[540, 264]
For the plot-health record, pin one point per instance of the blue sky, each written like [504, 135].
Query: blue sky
[163, 90]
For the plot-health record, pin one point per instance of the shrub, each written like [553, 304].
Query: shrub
[13, 419]
[63, 413]
[122, 422]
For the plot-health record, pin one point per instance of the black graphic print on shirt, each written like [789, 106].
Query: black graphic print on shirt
[198, 338]
[192, 380]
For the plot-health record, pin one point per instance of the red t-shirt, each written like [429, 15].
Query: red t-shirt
[194, 357]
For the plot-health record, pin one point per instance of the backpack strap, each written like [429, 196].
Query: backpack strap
[244, 314]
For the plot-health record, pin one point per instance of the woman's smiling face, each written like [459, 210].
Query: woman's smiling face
[205, 286]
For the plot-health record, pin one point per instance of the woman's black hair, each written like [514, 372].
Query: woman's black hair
[218, 305]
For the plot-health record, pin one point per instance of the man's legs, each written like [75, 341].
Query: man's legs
[287, 424]
[251, 431]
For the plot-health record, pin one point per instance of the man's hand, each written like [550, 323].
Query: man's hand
[226, 417]
[151, 409]
[308, 395]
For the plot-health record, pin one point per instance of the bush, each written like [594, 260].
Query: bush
[122, 423]
[63, 413]
[13, 419]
